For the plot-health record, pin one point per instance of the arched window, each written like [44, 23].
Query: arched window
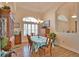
[30, 26]
[30, 19]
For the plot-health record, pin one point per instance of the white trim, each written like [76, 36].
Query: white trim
[69, 48]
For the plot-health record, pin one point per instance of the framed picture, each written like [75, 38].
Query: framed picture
[46, 23]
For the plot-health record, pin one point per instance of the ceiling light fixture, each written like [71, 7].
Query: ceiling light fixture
[75, 11]
[74, 16]
[40, 21]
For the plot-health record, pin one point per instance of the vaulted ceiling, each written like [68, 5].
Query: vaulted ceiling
[22, 9]
[38, 6]
[37, 9]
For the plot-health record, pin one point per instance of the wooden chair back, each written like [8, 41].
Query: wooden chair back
[29, 40]
[49, 42]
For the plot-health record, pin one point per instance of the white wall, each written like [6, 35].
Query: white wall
[77, 26]
[50, 15]
[77, 18]
[62, 26]
[69, 40]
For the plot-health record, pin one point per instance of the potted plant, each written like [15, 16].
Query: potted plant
[4, 40]
[5, 9]
[5, 46]
[53, 37]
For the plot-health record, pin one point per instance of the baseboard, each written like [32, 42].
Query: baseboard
[69, 48]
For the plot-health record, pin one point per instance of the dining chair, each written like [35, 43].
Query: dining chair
[46, 48]
[29, 41]
[31, 44]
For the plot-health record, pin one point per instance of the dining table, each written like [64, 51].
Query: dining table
[38, 42]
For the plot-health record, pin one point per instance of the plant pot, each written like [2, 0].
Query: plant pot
[5, 11]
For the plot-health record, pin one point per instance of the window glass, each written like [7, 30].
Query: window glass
[30, 27]
[36, 29]
[33, 31]
[30, 19]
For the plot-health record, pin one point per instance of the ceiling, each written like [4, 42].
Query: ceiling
[22, 9]
[39, 7]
